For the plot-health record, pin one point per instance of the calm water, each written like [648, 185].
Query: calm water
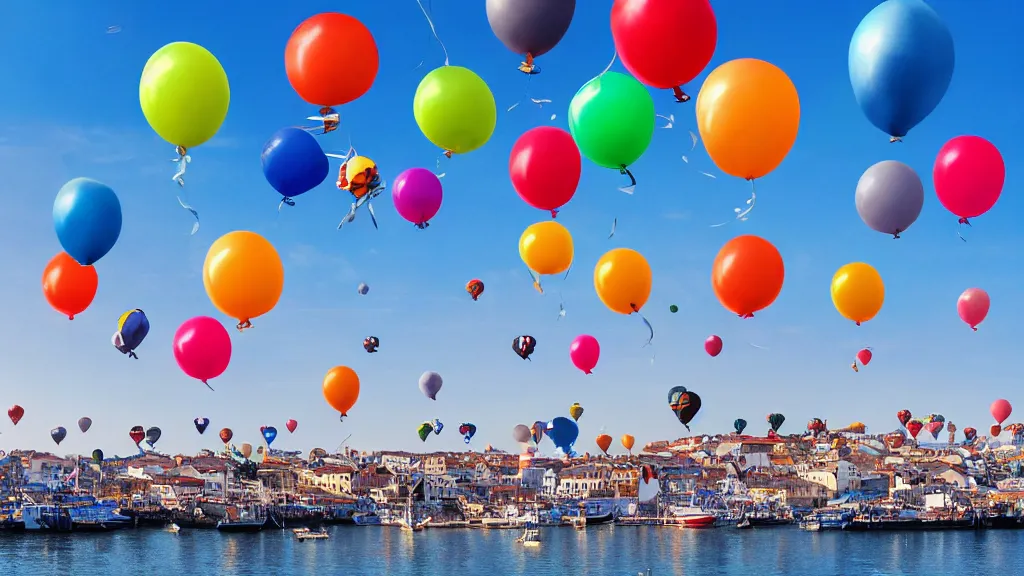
[611, 551]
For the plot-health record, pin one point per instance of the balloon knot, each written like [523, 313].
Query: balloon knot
[747, 315]
[447, 153]
[288, 201]
[244, 325]
[71, 316]
[964, 221]
[208, 385]
[857, 323]
[680, 95]
[894, 139]
[975, 328]
[132, 354]
[587, 372]
[422, 225]
[554, 213]
[625, 172]
[896, 234]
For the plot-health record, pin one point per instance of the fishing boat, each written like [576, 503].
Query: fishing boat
[531, 536]
[303, 534]
[826, 520]
[693, 517]
[241, 521]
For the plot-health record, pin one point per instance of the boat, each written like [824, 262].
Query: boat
[407, 524]
[304, 534]
[97, 517]
[908, 519]
[173, 528]
[827, 520]
[693, 517]
[744, 524]
[594, 519]
[366, 519]
[45, 518]
[241, 521]
[530, 537]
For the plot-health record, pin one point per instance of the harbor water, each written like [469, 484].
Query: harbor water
[599, 551]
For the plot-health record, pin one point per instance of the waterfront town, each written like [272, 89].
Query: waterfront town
[818, 480]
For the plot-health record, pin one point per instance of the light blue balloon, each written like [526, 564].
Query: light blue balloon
[901, 63]
[87, 218]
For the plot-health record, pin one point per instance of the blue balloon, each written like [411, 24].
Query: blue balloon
[269, 433]
[87, 218]
[563, 432]
[901, 63]
[293, 162]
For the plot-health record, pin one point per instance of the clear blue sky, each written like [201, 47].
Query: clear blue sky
[71, 109]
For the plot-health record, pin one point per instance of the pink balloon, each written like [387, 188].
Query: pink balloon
[968, 175]
[1000, 410]
[584, 352]
[972, 306]
[864, 356]
[713, 345]
[202, 348]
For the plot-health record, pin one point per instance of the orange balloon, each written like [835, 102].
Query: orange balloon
[341, 388]
[604, 442]
[748, 114]
[627, 441]
[747, 275]
[331, 59]
[68, 286]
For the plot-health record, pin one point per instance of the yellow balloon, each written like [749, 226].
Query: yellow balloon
[622, 279]
[546, 247]
[243, 276]
[858, 292]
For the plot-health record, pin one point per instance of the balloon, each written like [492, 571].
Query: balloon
[269, 434]
[611, 118]
[604, 442]
[341, 388]
[331, 59]
[137, 434]
[972, 306]
[739, 425]
[202, 348]
[132, 329]
[713, 345]
[58, 434]
[546, 248]
[84, 424]
[664, 43]
[153, 436]
[775, 420]
[545, 167]
[184, 94]
[537, 431]
[225, 435]
[68, 286]
[291, 425]
[246, 450]
[584, 352]
[914, 427]
[622, 279]
[430, 384]
[201, 424]
[243, 276]
[521, 433]
[889, 197]
[293, 162]
[455, 109]
[864, 356]
[87, 218]
[417, 195]
[576, 411]
[15, 413]
[563, 433]
[968, 175]
[673, 308]
[627, 441]
[1000, 410]
[747, 275]
[904, 416]
[97, 456]
[901, 62]
[530, 27]
[993, 430]
[363, 289]
[748, 114]
[858, 292]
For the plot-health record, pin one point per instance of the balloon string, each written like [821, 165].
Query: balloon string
[743, 213]
[183, 160]
[433, 30]
[960, 227]
[615, 56]
[647, 323]
[243, 325]
[286, 201]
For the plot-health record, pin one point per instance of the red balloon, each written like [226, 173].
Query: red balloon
[545, 168]
[864, 357]
[968, 175]
[291, 425]
[664, 43]
[331, 59]
[713, 345]
[15, 413]
[68, 286]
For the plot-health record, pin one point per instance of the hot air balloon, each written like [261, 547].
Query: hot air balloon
[675, 396]
[739, 425]
[97, 456]
[627, 442]
[226, 435]
[468, 430]
[438, 425]
[576, 411]
[291, 425]
[934, 428]
[246, 450]
[993, 430]
[863, 357]
[475, 288]
[430, 384]
[269, 434]
[563, 432]
[537, 431]
[854, 428]
[689, 405]
[970, 434]
[84, 424]
[521, 433]
[895, 440]
[816, 426]
[15, 413]
[424, 430]
[775, 420]
[904, 416]
[1000, 410]
[915, 427]
[58, 434]
[201, 424]
[604, 442]
[153, 436]
[524, 346]
[132, 329]
[137, 434]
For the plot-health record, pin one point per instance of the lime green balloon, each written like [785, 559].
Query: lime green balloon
[455, 109]
[611, 119]
[184, 93]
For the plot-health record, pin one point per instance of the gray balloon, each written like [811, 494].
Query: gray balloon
[430, 384]
[530, 26]
[521, 433]
[889, 197]
[84, 424]
[363, 288]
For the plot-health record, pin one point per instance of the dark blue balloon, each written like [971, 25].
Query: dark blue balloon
[87, 218]
[901, 63]
[269, 434]
[293, 162]
[563, 433]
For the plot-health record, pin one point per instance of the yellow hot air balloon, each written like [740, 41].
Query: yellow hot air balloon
[576, 411]
[854, 428]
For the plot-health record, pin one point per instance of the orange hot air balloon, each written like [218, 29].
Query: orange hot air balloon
[341, 388]
[627, 442]
[747, 275]
[604, 442]
[68, 286]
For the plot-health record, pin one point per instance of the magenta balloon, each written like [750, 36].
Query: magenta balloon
[713, 345]
[969, 173]
[202, 348]
[417, 194]
[584, 352]
[972, 306]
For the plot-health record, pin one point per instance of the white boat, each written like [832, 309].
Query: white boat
[530, 537]
[173, 528]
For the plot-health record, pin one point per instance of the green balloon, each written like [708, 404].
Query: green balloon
[673, 308]
[184, 93]
[611, 119]
[455, 109]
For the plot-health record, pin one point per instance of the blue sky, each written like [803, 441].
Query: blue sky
[71, 109]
